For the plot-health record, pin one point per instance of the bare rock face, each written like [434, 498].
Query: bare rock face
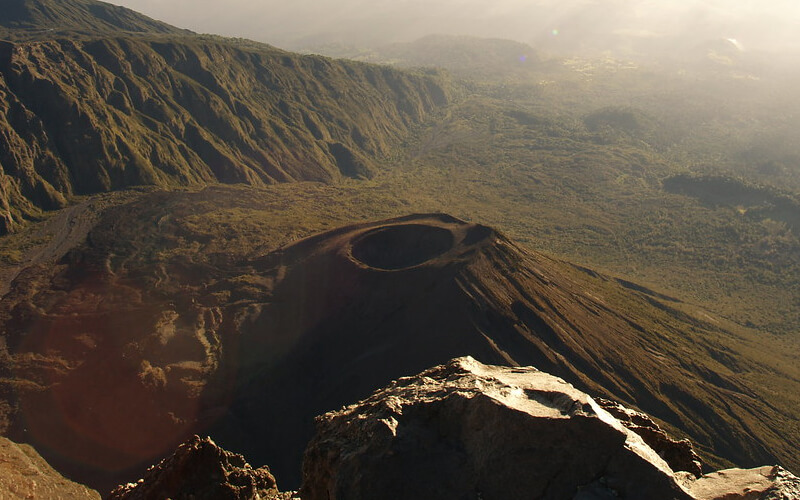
[199, 470]
[680, 455]
[25, 475]
[466, 430]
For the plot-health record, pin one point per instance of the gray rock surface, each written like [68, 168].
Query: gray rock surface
[471, 431]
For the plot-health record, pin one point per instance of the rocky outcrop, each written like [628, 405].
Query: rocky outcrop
[106, 112]
[463, 431]
[25, 475]
[201, 470]
[466, 430]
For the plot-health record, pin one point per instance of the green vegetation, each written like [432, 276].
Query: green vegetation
[83, 116]
[561, 188]
[578, 158]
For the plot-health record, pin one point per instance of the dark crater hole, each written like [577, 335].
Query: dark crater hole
[399, 247]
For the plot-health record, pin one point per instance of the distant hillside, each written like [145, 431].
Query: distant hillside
[469, 56]
[81, 116]
[30, 18]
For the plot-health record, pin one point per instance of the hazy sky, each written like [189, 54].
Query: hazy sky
[755, 23]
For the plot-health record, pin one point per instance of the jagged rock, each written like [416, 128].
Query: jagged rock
[762, 483]
[199, 469]
[25, 475]
[466, 430]
[680, 455]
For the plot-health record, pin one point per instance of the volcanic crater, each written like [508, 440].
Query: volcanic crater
[400, 247]
[292, 333]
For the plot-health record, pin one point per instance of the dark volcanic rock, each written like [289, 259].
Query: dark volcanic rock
[466, 430]
[200, 470]
[470, 431]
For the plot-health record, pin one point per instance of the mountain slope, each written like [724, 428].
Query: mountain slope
[33, 18]
[149, 332]
[86, 116]
[101, 110]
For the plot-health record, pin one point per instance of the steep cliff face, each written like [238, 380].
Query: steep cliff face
[84, 115]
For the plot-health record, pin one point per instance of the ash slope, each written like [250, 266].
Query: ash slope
[115, 356]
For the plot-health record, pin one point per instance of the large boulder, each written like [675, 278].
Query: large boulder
[471, 431]
[466, 430]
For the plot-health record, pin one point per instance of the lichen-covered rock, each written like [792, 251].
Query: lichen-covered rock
[199, 470]
[26, 475]
[471, 431]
